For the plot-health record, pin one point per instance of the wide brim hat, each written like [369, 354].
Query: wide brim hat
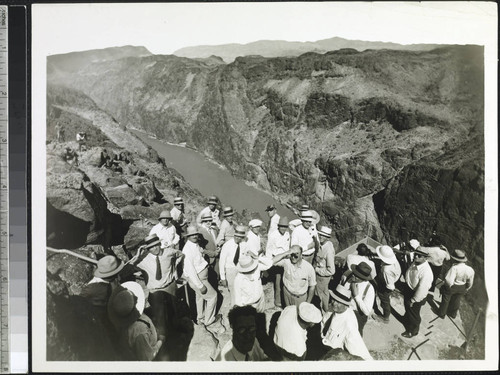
[309, 313]
[283, 222]
[152, 240]
[459, 256]
[212, 200]
[240, 231]
[422, 251]
[255, 223]
[341, 294]
[386, 254]
[165, 215]
[108, 266]
[325, 232]
[228, 211]
[247, 264]
[307, 216]
[126, 304]
[191, 231]
[362, 270]
[206, 217]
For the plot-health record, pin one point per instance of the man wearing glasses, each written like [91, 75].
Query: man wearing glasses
[299, 278]
[418, 279]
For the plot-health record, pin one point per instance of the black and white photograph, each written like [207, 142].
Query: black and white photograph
[279, 182]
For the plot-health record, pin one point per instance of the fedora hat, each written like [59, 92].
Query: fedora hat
[152, 240]
[212, 200]
[325, 231]
[247, 264]
[255, 223]
[206, 217]
[341, 294]
[386, 254]
[126, 304]
[362, 270]
[165, 215]
[228, 211]
[191, 231]
[309, 313]
[270, 208]
[240, 231]
[422, 251]
[414, 244]
[108, 266]
[306, 216]
[178, 200]
[304, 207]
[283, 222]
[459, 256]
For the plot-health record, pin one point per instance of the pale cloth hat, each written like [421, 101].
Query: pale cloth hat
[255, 223]
[325, 231]
[386, 254]
[414, 244]
[108, 266]
[247, 264]
[165, 215]
[309, 313]
[191, 231]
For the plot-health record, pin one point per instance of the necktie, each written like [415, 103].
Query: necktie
[247, 357]
[327, 325]
[236, 255]
[158, 268]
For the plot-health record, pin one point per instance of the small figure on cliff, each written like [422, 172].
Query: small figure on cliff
[229, 257]
[324, 265]
[226, 231]
[253, 237]
[243, 345]
[302, 237]
[212, 210]
[70, 156]
[278, 243]
[81, 138]
[59, 132]
[457, 282]
[196, 273]
[274, 218]
[418, 282]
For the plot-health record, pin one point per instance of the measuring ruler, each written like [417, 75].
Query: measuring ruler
[4, 195]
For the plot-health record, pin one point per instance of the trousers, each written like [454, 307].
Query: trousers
[384, 295]
[293, 299]
[159, 299]
[450, 299]
[412, 316]
[321, 290]
[205, 303]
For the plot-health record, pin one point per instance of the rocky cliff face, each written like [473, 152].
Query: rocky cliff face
[360, 136]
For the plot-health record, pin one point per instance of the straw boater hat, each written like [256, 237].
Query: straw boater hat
[414, 244]
[126, 304]
[178, 200]
[255, 223]
[459, 256]
[362, 270]
[246, 264]
[304, 207]
[191, 231]
[386, 254]
[108, 266]
[270, 208]
[283, 222]
[165, 215]
[325, 231]
[309, 313]
[240, 231]
[341, 294]
[206, 217]
[212, 200]
[306, 216]
[228, 211]
[151, 241]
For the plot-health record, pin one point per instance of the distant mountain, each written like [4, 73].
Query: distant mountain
[278, 48]
[74, 61]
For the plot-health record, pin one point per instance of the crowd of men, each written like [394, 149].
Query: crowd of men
[298, 259]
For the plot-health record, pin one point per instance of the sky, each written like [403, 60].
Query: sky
[165, 27]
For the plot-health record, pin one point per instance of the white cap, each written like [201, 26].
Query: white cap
[255, 223]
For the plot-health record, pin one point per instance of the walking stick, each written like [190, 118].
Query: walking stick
[69, 252]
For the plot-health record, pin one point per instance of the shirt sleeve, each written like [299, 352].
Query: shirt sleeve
[143, 350]
[450, 276]
[423, 285]
[312, 277]
[470, 279]
[176, 238]
[222, 262]
[191, 274]
[366, 304]
[330, 264]
[270, 246]
[222, 234]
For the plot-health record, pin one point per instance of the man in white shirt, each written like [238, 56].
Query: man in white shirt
[302, 236]
[390, 272]
[290, 335]
[324, 265]
[248, 288]
[418, 282]
[206, 240]
[253, 237]
[278, 242]
[243, 346]
[273, 219]
[196, 274]
[339, 328]
[212, 210]
[177, 212]
[165, 230]
[226, 231]
[229, 257]
[458, 281]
